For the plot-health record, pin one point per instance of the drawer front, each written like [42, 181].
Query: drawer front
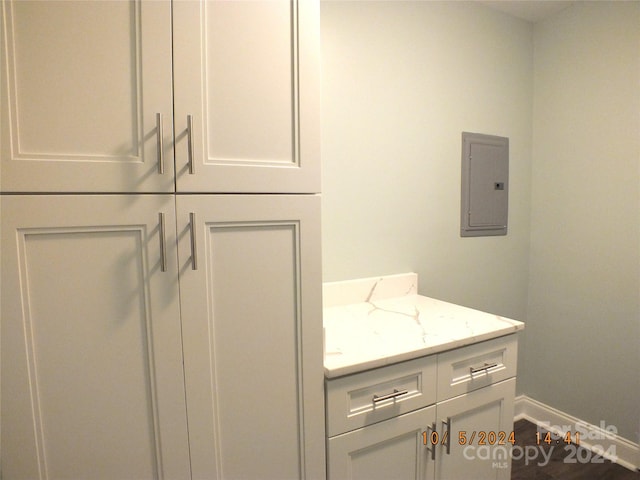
[469, 368]
[361, 399]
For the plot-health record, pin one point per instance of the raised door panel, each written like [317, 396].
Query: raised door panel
[86, 96]
[394, 449]
[92, 382]
[478, 434]
[251, 311]
[247, 96]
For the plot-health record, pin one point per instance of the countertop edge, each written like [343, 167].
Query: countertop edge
[330, 373]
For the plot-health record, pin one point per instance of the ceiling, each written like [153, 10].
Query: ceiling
[529, 10]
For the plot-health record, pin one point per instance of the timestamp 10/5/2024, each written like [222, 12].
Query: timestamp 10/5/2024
[483, 438]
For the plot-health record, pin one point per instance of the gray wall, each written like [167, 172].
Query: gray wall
[401, 81]
[583, 321]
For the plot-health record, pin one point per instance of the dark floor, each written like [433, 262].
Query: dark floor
[571, 463]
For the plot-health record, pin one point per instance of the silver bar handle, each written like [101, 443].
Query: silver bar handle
[194, 248]
[163, 244]
[432, 428]
[160, 142]
[484, 368]
[448, 434]
[395, 394]
[192, 168]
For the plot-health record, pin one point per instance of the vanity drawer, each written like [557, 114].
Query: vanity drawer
[361, 399]
[469, 368]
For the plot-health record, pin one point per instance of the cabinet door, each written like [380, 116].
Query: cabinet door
[394, 449]
[92, 382]
[247, 96]
[250, 290]
[82, 86]
[479, 425]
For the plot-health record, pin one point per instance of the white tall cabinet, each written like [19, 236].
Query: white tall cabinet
[90, 89]
[161, 277]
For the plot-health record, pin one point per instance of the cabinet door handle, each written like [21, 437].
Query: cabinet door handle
[447, 434]
[192, 168]
[194, 248]
[160, 142]
[163, 244]
[396, 393]
[430, 431]
[484, 368]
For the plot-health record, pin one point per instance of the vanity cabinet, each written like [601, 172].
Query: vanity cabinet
[444, 416]
[160, 96]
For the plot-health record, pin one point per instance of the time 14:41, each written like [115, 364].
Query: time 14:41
[548, 438]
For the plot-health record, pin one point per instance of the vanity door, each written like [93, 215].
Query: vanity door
[394, 448]
[477, 426]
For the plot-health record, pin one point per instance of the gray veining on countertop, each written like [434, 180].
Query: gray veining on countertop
[374, 322]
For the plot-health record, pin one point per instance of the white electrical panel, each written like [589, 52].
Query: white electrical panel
[485, 185]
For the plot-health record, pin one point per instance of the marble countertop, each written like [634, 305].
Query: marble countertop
[373, 322]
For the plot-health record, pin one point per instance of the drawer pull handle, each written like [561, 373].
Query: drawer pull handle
[396, 393]
[484, 368]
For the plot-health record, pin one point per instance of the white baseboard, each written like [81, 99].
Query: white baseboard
[601, 441]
